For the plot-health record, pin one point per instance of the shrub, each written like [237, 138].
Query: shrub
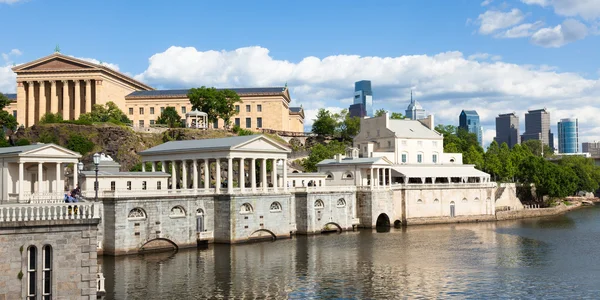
[22, 142]
[80, 144]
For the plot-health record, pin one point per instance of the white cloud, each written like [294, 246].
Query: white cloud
[587, 9]
[7, 77]
[486, 2]
[553, 37]
[11, 1]
[522, 30]
[493, 20]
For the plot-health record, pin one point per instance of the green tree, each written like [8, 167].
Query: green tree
[518, 155]
[380, 112]
[321, 152]
[397, 116]
[474, 157]
[50, 118]
[218, 104]
[325, 123]
[170, 117]
[347, 127]
[587, 173]
[507, 170]
[79, 143]
[7, 121]
[492, 163]
[109, 113]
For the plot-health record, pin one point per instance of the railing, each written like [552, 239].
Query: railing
[337, 188]
[47, 212]
[46, 197]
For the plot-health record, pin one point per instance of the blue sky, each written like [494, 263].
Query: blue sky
[493, 56]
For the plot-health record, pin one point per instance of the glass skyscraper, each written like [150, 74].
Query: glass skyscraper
[415, 111]
[469, 120]
[363, 99]
[568, 136]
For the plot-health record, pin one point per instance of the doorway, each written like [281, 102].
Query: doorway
[452, 210]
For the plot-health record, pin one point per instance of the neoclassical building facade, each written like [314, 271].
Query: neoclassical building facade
[62, 84]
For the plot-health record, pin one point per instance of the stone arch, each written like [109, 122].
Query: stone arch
[383, 220]
[159, 244]
[137, 213]
[246, 208]
[348, 175]
[262, 234]
[319, 204]
[464, 200]
[436, 200]
[331, 227]
[275, 207]
[177, 211]
[341, 202]
[397, 224]
[476, 199]
[419, 201]
[329, 176]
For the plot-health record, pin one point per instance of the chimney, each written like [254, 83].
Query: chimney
[338, 158]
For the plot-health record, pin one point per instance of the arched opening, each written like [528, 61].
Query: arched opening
[199, 220]
[331, 227]
[159, 244]
[397, 224]
[261, 235]
[452, 209]
[383, 221]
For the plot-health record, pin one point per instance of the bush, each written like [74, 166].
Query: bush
[48, 138]
[241, 132]
[50, 118]
[22, 142]
[80, 144]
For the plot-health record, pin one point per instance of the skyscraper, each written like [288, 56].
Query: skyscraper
[568, 136]
[507, 130]
[592, 148]
[363, 99]
[469, 120]
[537, 127]
[415, 111]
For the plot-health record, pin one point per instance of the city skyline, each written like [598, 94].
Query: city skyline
[488, 56]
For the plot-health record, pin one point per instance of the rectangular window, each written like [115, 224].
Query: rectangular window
[143, 185]
[389, 144]
[15, 114]
[248, 122]
[237, 108]
[404, 157]
[258, 122]
[434, 158]
[151, 110]
[158, 185]
[419, 158]
[237, 122]
[141, 110]
[183, 109]
[131, 110]
[31, 272]
[141, 123]
[152, 122]
[47, 272]
[162, 110]
[259, 108]
[129, 185]
[216, 124]
[248, 109]
[113, 185]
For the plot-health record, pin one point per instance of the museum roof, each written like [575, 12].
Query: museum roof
[411, 129]
[354, 161]
[297, 111]
[20, 149]
[418, 171]
[261, 91]
[205, 144]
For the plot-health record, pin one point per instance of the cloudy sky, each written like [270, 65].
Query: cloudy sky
[492, 56]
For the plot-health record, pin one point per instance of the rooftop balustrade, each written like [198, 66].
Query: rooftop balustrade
[49, 212]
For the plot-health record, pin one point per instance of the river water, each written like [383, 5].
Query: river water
[549, 258]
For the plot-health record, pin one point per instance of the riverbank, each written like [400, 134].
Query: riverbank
[538, 212]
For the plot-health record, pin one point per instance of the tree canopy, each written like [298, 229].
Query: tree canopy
[397, 116]
[321, 152]
[325, 123]
[169, 117]
[218, 104]
[109, 112]
[7, 120]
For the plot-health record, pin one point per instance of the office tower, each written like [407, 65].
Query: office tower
[592, 148]
[469, 120]
[568, 136]
[537, 127]
[363, 100]
[507, 130]
[415, 111]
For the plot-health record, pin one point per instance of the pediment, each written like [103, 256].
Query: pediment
[262, 143]
[51, 150]
[57, 64]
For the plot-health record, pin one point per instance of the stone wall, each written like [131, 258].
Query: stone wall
[537, 212]
[336, 213]
[507, 197]
[74, 257]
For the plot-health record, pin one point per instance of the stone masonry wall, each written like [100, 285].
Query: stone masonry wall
[331, 214]
[74, 265]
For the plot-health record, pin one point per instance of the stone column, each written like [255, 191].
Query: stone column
[390, 176]
[42, 104]
[229, 175]
[195, 174]
[253, 174]
[21, 181]
[40, 177]
[77, 106]
[274, 174]
[184, 183]
[173, 175]
[163, 166]
[57, 180]
[372, 183]
[76, 176]
[242, 179]
[88, 96]
[285, 183]
[206, 174]
[143, 166]
[31, 104]
[66, 111]
[153, 166]
[218, 176]
[53, 97]
[263, 169]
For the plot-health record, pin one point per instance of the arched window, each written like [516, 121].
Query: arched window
[436, 200]
[464, 200]
[341, 202]
[31, 272]
[136, 214]
[199, 212]
[329, 176]
[177, 212]
[348, 175]
[47, 272]
[319, 204]
[476, 199]
[199, 220]
[419, 201]
[246, 208]
[275, 207]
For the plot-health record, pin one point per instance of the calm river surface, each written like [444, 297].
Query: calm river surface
[545, 258]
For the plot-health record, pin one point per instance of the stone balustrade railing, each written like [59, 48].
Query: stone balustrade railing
[47, 212]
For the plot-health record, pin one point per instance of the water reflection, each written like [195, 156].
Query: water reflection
[517, 259]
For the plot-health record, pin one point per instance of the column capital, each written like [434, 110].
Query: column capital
[87, 81]
[52, 82]
[64, 81]
[41, 81]
[32, 82]
[76, 82]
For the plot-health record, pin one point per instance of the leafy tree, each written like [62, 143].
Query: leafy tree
[325, 123]
[22, 142]
[50, 118]
[218, 104]
[347, 127]
[3, 141]
[170, 117]
[534, 146]
[380, 112]
[474, 157]
[109, 112]
[321, 152]
[492, 163]
[587, 173]
[79, 143]
[397, 116]
[7, 121]
[507, 170]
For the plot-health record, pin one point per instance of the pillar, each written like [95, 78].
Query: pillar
[372, 183]
[242, 172]
[195, 174]
[42, 100]
[173, 176]
[390, 176]
[88, 96]
[218, 176]
[184, 183]
[253, 174]
[57, 181]
[206, 174]
[163, 166]
[153, 166]
[20, 181]
[143, 166]
[229, 175]
[285, 183]
[66, 111]
[274, 174]
[77, 94]
[53, 97]
[263, 169]
[76, 176]
[40, 177]
[30, 104]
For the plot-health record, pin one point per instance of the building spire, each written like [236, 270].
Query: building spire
[57, 49]
[411, 98]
